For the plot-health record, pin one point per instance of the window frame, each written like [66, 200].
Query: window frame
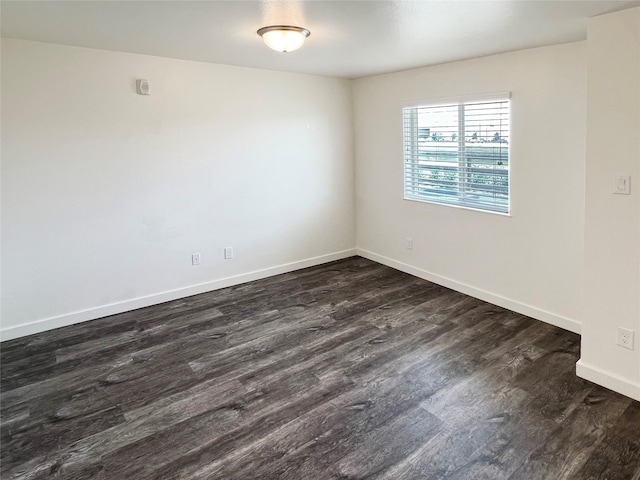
[412, 147]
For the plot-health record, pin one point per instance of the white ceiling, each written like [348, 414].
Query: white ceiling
[348, 38]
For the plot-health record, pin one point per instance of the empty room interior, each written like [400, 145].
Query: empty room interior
[320, 239]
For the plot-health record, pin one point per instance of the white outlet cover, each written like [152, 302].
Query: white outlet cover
[625, 338]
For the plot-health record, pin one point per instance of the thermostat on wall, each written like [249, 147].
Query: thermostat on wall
[142, 87]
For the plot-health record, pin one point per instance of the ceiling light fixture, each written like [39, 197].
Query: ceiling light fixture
[284, 38]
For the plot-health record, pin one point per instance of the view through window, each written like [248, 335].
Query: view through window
[458, 154]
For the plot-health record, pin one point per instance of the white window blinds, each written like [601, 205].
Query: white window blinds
[458, 154]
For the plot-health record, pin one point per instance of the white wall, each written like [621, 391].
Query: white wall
[105, 193]
[612, 222]
[531, 261]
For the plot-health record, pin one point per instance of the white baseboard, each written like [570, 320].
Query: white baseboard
[523, 308]
[608, 380]
[146, 301]
[588, 372]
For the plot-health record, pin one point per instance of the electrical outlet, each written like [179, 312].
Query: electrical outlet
[195, 259]
[409, 243]
[625, 338]
[228, 253]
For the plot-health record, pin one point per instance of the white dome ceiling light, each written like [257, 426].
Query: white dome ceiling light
[284, 38]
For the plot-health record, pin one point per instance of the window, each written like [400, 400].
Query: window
[458, 154]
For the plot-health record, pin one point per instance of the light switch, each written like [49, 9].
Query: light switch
[621, 184]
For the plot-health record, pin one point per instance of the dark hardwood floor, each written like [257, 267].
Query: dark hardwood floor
[349, 370]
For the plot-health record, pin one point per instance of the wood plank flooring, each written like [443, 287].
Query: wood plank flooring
[348, 370]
